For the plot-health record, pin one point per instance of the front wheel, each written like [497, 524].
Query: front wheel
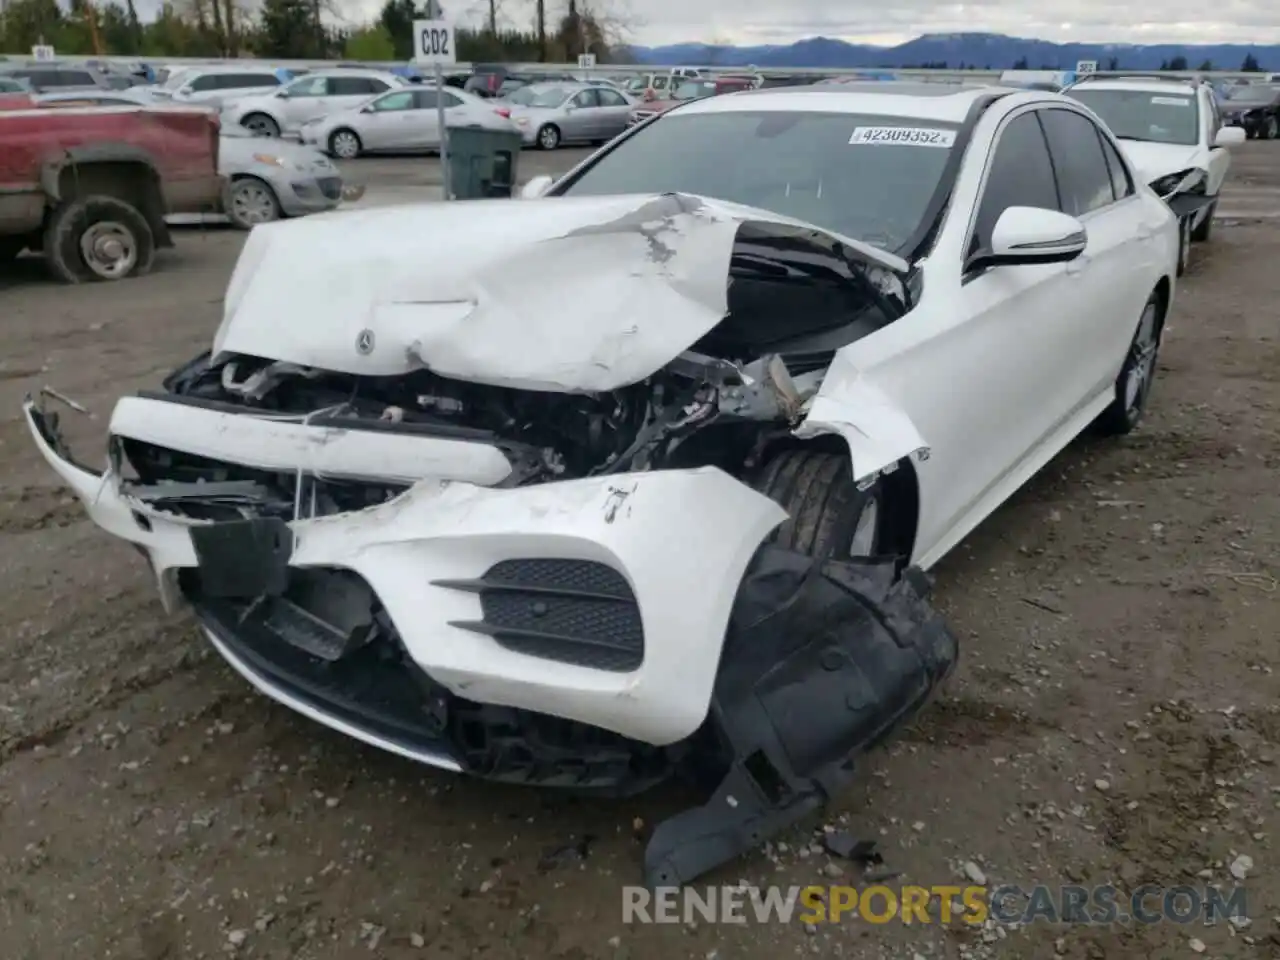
[829, 517]
[1184, 245]
[252, 202]
[1133, 385]
[98, 238]
[261, 125]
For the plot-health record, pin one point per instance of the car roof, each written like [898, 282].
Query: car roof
[231, 68]
[1139, 85]
[349, 72]
[945, 102]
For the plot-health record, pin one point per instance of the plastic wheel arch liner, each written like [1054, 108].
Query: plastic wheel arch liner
[822, 661]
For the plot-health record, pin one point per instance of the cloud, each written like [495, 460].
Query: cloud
[749, 22]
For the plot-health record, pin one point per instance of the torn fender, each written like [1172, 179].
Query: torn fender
[822, 661]
[878, 432]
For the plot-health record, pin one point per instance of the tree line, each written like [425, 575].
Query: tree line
[295, 30]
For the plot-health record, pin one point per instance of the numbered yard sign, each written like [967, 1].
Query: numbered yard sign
[43, 53]
[586, 61]
[1086, 66]
[433, 42]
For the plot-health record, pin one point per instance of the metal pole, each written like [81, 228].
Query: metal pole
[444, 134]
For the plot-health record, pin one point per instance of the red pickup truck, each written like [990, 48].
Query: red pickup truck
[90, 186]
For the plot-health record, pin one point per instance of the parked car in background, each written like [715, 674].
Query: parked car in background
[98, 214]
[652, 86]
[403, 120]
[551, 114]
[10, 84]
[496, 80]
[1172, 133]
[308, 98]
[43, 77]
[218, 85]
[1255, 107]
[686, 91]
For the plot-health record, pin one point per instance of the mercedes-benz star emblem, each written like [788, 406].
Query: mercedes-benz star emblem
[364, 342]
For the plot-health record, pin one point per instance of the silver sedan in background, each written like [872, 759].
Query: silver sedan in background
[551, 114]
[401, 121]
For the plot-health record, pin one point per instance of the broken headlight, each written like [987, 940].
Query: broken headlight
[1178, 182]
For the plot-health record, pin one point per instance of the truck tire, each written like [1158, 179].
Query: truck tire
[10, 247]
[98, 238]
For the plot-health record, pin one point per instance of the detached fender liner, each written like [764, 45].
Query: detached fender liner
[1185, 204]
[822, 660]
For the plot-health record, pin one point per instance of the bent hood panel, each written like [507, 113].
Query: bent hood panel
[580, 294]
[1154, 160]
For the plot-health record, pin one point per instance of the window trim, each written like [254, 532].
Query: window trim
[1034, 108]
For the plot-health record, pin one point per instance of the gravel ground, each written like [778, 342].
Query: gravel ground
[1114, 718]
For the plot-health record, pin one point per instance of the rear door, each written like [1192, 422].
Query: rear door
[306, 99]
[1108, 285]
[347, 92]
[614, 112]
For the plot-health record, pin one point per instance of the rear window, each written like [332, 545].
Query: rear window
[234, 81]
[865, 176]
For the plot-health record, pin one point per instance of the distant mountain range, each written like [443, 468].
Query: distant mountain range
[953, 51]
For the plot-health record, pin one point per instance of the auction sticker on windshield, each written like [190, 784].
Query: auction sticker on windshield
[912, 136]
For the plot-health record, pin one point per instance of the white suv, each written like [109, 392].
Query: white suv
[308, 98]
[214, 85]
[1172, 133]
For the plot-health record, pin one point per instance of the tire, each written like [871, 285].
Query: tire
[1271, 129]
[1184, 245]
[1201, 233]
[829, 516]
[345, 144]
[98, 238]
[548, 137]
[1133, 385]
[262, 124]
[251, 202]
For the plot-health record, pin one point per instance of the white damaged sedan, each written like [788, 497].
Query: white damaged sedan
[639, 478]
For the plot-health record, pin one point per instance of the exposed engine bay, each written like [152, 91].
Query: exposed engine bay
[559, 586]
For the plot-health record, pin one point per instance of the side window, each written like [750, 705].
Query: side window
[400, 100]
[377, 86]
[659, 83]
[313, 87]
[1020, 175]
[587, 98]
[450, 100]
[352, 87]
[207, 82]
[1121, 185]
[1084, 181]
[425, 99]
[73, 78]
[610, 99]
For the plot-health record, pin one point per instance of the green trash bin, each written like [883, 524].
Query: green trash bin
[482, 162]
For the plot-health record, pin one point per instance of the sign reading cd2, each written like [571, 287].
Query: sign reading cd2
[433, 43]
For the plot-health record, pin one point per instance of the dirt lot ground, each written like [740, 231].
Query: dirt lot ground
[1114, 719]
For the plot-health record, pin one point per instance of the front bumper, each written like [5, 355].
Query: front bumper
[681, 539]
[305, 194]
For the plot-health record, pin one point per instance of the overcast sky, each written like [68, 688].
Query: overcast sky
[758, 21]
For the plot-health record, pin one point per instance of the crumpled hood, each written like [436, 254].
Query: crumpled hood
[1152, 161]
[573, 294]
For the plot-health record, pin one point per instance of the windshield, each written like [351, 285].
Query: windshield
[694, 90]
[1253, 93]
[1143, 115]
[864, 176]
[174, 80]
[537, 96]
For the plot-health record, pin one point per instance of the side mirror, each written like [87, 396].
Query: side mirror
[284, 94]
[536, 187]
[1229, 137]
[366, 109]
[1024, 236]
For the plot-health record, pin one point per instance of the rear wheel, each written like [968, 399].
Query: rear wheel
[344, 144]
[1133, 385]
[98, 238]
[549, 137]
[829, 516]
[261, 124]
